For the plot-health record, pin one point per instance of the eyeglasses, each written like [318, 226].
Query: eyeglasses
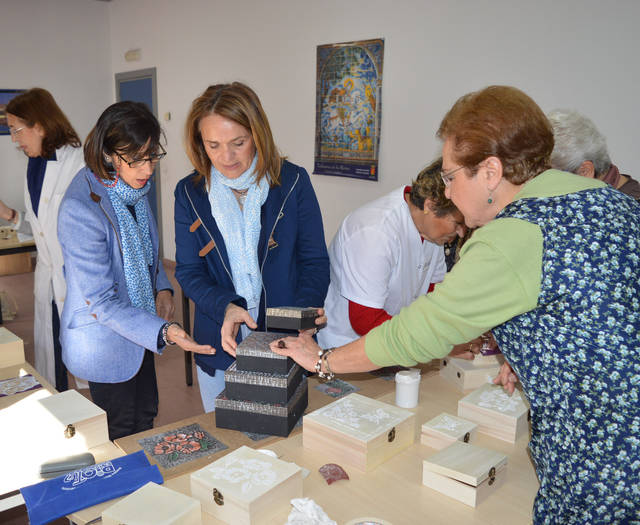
[447, 177]
[14, 132]
[152, 159]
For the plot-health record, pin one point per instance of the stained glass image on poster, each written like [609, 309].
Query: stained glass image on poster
[5, 96]
[348, 108]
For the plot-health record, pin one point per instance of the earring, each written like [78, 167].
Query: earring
[426, 212]
[490, 200]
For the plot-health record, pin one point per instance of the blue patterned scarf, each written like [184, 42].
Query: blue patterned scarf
[240, 229]
[137, 250]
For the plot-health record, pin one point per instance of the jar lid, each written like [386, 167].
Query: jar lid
[408, 376]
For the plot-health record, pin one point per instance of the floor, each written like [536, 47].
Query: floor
[177, 400]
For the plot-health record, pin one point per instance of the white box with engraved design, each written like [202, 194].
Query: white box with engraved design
[497, 413]
[358, 431]
[445, 429]
[247, 487]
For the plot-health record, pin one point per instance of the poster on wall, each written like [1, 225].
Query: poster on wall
[348, 108]
[5, 96]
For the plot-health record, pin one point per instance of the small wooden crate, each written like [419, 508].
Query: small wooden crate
[465, 472]
[73, 421]
[358, 431]
[464, 375]
[11, 349]
[152, 504]
[254, 355]
[16, 263]
[264, 388]
[445, 429]
[246, 487]
[497, 413]
[291, 318]
[487, 360]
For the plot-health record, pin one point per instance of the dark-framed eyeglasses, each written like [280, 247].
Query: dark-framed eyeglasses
[152, 159]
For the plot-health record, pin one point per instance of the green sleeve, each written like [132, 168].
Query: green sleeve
[497, 277]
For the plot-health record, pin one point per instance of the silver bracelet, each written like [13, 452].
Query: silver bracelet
[322, 356]
[165, 333]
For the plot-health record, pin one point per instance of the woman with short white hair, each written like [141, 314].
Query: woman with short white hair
[581, 149]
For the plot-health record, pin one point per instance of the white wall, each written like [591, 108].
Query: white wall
[565, 53]
[62, 46]
[571, 53]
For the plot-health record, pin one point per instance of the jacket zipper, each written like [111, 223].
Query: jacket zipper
[280, 215]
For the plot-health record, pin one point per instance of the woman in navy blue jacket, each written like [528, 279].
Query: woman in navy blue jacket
[248, 228]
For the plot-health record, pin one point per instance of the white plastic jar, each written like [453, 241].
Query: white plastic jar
[407, 388]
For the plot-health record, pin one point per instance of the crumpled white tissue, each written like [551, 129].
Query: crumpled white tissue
[307, 512]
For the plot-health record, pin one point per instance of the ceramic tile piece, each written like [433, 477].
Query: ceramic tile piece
[16, 385]
[178, 446]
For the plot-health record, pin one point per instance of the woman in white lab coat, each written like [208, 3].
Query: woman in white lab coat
[44, 134]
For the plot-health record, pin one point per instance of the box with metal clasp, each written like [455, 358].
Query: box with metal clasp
[497, 413]
[358, 431]
[465, 472]
[445, 429]
[247, 487]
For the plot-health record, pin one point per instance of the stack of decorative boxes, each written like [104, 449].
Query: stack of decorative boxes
[265, 393]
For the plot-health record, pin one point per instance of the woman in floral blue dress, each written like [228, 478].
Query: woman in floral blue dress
[554, 271]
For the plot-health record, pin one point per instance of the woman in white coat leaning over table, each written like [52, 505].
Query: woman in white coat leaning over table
[44, 134]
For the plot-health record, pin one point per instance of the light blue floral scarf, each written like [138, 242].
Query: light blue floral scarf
[137, 250]
[240, 229]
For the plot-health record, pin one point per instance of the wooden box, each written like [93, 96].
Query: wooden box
[11, 349]
[497, 413]
[15, 263]
[465, 472]
[262, 418]
[73, 421]
[291, 318]
[358, 431]
[258, 386]
[153, 504]
[445, 429]
[246, 487]
[465, 375]
[254, 355]
[488, 360]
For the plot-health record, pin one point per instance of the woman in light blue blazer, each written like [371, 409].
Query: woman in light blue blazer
[119, 300]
